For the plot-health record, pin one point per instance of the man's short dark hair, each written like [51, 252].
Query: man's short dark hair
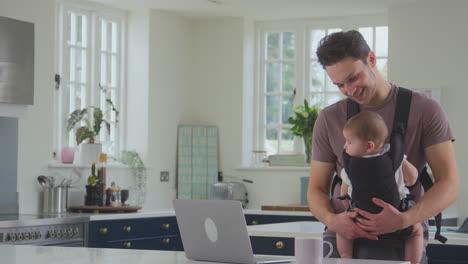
[337, 46]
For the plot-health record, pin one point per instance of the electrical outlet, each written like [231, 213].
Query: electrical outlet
[164, 176]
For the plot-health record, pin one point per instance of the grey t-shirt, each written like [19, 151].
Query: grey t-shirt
[427, 125]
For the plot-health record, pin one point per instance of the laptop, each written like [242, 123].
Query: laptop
[215, 230]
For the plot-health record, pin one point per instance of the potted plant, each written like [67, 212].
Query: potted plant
[303, 120]
[91, 129]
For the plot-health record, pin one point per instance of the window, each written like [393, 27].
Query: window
[289, 72]
[90, 65]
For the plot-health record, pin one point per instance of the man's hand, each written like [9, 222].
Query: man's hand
[345, 225]
[387, 221]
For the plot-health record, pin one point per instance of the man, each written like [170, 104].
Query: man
[351, 66]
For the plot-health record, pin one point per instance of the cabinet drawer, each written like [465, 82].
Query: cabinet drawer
[153, 243]
[132, 228]
[273, 245]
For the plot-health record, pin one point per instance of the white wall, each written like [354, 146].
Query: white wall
[428, 49]
[35, 136]
[169, 100]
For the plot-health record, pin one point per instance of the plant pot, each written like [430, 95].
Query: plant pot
[89, 153]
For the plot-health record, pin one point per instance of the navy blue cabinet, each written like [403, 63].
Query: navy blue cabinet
[273, 219]
[160, 233]
[273, 245]
[447, 254]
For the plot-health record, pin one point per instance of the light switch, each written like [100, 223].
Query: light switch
[164, 176]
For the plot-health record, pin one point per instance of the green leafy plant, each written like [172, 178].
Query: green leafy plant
[90, 131]
[132, 159]
[303, 120]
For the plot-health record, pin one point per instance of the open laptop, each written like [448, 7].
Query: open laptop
[215, 230]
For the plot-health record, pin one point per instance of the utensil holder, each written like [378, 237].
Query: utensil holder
[55, 200]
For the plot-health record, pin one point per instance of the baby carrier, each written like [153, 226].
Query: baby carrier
[388, 162]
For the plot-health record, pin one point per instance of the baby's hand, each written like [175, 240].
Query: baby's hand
[345, 203]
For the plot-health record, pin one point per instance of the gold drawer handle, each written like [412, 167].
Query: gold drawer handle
[166, 241]
[127, 229]
[280, 245]
[254, 222]
[166, 226]
[127, 245]
[103, 230]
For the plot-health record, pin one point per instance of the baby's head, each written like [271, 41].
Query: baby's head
[365, 134]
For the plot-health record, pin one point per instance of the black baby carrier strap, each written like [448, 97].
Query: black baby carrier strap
[400, 123]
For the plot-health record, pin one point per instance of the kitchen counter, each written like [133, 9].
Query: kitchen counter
[59, 255]
[315, 229]
[163, 213]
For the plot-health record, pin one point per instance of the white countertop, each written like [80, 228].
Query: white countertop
[59, 255]
[315, 229]
[162, 213]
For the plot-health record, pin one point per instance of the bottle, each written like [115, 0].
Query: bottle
[102, 177]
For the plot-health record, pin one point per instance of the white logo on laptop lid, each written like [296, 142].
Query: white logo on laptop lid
[211, 230]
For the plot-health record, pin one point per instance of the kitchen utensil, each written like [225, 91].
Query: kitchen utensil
[44, 181]
[55, 200]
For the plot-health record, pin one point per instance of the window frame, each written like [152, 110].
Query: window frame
[303, 29]
[95, 13]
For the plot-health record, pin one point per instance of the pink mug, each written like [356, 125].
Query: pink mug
[68, 154]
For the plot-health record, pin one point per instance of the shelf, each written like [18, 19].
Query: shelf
[275, 168]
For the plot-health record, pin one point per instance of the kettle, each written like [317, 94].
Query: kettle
[229, 191]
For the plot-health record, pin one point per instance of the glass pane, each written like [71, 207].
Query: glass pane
[329, 85]
[273, 45]
[79, 32]
[289, 80]
[315, 37]
[289, 41]
[81, 95]
[103, 69]
[272, 109]
[287, 142]
[78, 66]
[114, 37]
[72, 64]
[271, 140]
[71, 29]
[317, 77]
[368, 34]
[287, 102]
[317, 100]
[333, 30]
[103, 35]
[71, 98]
[381, 39]
[332, 98]
[113, 71]
[81, 66]
[273, 75]
[84, 31]
[382, 66]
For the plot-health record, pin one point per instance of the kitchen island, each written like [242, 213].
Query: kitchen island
[58, 255]
[279, 238]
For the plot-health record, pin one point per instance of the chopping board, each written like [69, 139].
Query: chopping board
[104, 209]
[288, 207]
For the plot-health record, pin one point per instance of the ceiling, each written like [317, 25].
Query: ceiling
[268, 9]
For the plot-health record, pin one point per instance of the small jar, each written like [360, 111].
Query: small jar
[115, 199]
[259, 158]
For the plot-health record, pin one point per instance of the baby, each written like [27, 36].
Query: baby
[366, 155]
